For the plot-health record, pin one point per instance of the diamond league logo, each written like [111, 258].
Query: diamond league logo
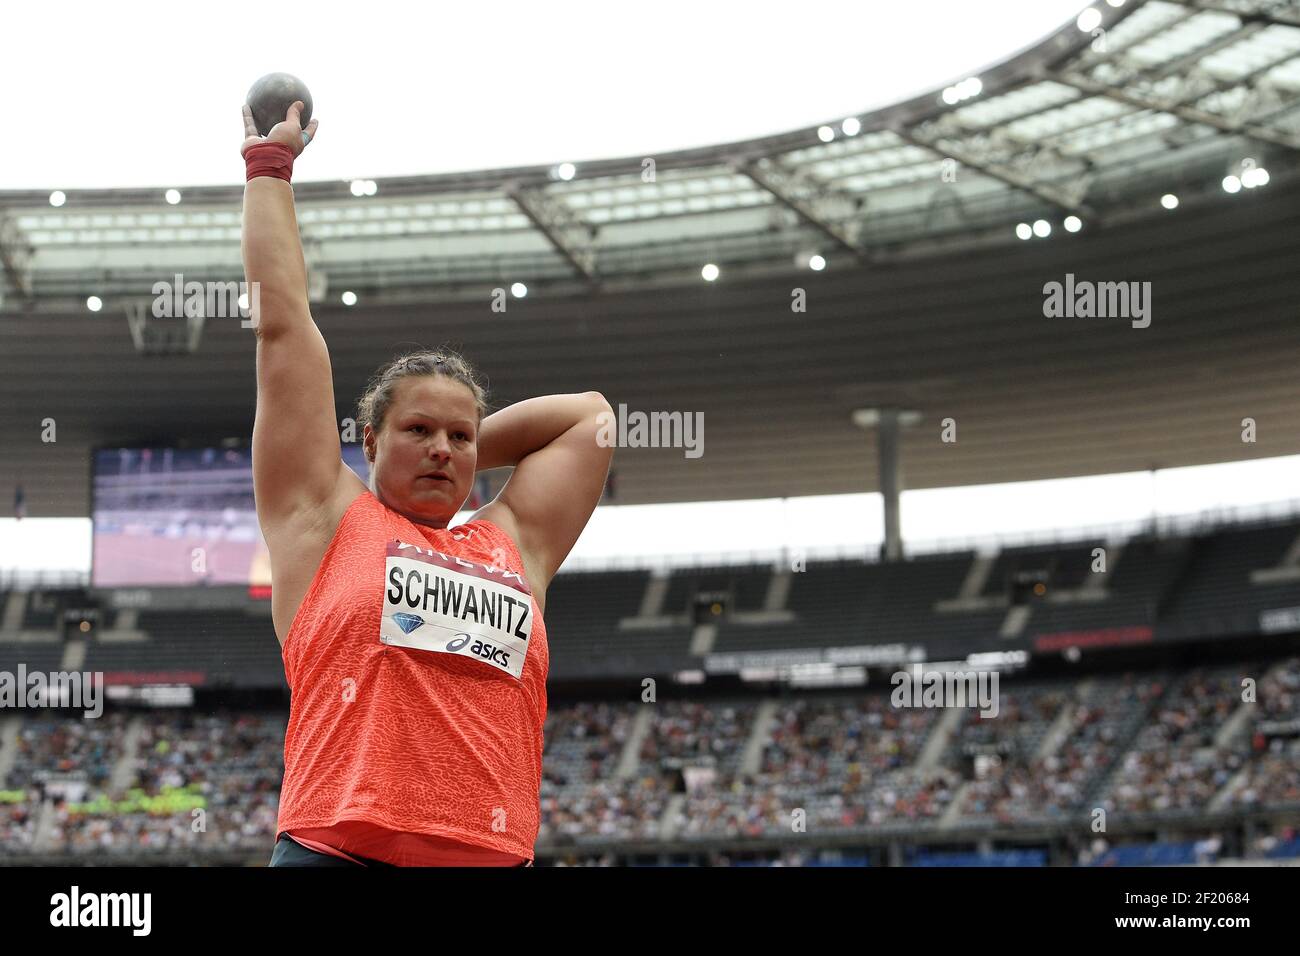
[407, 622]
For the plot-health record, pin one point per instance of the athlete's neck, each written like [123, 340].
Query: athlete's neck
[438, 524]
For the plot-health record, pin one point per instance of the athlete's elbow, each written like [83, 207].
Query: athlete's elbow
[598, 421]
[598, 403]
[597, 413]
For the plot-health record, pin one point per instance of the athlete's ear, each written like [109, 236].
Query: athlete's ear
[368, 443]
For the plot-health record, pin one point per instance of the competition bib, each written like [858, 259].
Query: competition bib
[447, 605]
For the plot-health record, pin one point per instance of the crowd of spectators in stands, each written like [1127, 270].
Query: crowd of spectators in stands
[185, 780]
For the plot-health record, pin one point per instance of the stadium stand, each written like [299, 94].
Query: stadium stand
[1170, 747]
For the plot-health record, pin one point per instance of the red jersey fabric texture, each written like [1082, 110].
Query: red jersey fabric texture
[386, 744]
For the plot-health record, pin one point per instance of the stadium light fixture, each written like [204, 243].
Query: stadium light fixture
[58, 198]
[825, 134]
[851, 126]
[1231, 184]
[518, 290]
[566, 171]
[971, 86]
[1024, 231]
[1169, 201]
[94, 303]
[816, 263]
[1255, 176]
[1073, 223]
[1089, 20]
[173, 196]
[349, 297]
[710, 272]
[1042, 228]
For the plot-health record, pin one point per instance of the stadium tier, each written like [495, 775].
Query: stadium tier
[1225, 583]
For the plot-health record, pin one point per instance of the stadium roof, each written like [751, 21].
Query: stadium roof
[928, 301]
[1097, 127]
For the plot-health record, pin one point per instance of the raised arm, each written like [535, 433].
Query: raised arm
[296, 454]
[560, 471]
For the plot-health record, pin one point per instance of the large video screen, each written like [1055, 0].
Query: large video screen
[181, 516]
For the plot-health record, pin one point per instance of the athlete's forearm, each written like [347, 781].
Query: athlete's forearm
[510, 435]
[272, 249]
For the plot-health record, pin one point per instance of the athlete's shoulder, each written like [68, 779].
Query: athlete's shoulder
[495, 518]
[499, 524]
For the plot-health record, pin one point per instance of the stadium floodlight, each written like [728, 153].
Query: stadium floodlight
[58, 198]
[1231, 184]
[566, 171]
[243, 301]
[851, 126]
[1073, 223]
[1089, 20]
[1255, 176]
[1042, 228]
[816, 263]
[825, 134]
[971, 86]
[349, 297]
[173, 196]
[709, 272]
[94, 303]
[1169, 201]
[518, 290]
[1024, 231]
[1115, 3]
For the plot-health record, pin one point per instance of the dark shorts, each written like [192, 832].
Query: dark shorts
[290, 853]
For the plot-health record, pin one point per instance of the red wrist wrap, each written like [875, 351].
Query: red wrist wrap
[269, 159]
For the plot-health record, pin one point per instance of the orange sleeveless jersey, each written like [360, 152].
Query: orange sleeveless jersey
[417, 668]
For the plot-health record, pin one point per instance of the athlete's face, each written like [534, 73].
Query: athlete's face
[423, 459]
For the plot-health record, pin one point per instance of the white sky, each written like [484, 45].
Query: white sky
[818, 524]
[148, 94]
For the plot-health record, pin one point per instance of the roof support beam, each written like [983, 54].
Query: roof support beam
[1066, 201]
[1188, 113]
[15, 256]
[569, 236]
[809, 198]
[1272, 19]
